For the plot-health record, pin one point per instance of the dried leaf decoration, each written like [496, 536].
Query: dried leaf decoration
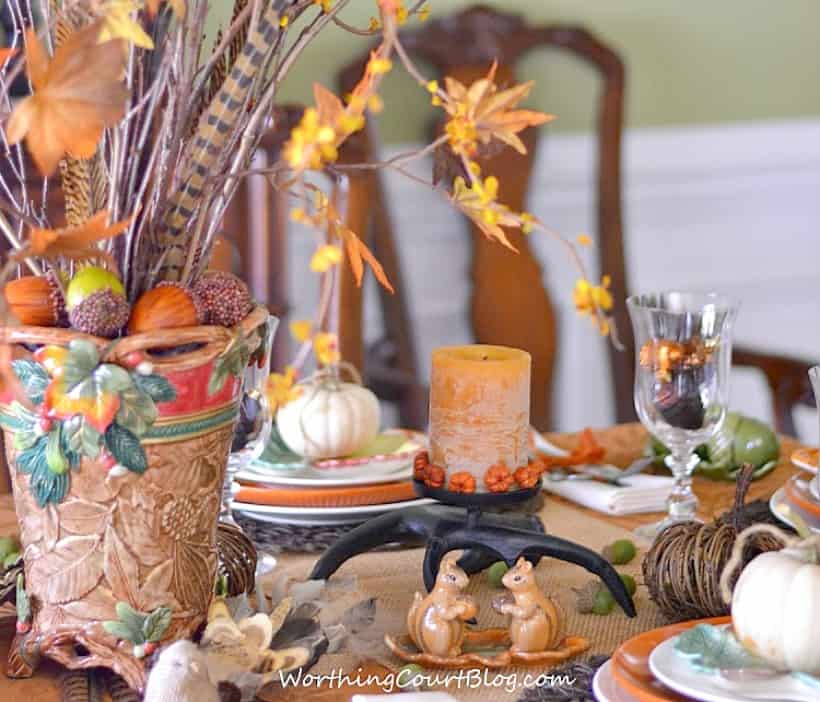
[327, 217]
[120, 22]
[482, 112]
[479, 202]
[77, 93]
[72, 242]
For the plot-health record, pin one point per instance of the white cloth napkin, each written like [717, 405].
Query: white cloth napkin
[641, 493]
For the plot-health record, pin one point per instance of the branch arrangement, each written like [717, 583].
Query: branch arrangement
[151, 129]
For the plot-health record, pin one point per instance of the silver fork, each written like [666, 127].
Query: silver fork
[607, 474]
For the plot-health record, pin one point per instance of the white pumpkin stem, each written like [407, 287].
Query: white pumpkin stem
[736, 559]
[331, 375]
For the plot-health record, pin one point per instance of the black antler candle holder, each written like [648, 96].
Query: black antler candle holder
[460, 522]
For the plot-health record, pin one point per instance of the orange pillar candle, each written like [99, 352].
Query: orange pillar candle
[479, 409]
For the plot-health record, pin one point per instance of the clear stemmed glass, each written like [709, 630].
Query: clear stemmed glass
[682, 366]
[253, 428]
[814, 376]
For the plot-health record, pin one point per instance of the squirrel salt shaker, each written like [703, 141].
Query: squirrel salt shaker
[435, 623]
[537, 623]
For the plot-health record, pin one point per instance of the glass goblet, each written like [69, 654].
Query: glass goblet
[682, 365]
[253, 428]
[814, 376]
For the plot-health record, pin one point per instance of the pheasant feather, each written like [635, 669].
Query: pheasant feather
[213, 132]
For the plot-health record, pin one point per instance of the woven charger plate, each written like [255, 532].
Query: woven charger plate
[354, 496]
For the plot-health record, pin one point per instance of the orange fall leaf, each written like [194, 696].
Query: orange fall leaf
[76, 94]
[72, 242]
[358, 254]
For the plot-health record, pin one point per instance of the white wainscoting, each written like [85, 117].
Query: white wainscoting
[731, 207]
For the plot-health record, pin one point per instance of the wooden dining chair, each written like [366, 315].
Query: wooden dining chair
[463, 46]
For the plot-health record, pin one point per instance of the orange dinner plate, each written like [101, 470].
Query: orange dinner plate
[354, 496]
[799, 493]
[630, 662]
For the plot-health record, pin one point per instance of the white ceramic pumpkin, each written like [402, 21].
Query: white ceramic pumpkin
[329, 420]
[776, 607]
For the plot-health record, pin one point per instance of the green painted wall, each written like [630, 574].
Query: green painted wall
[701, 61]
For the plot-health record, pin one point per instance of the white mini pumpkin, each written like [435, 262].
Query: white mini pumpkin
[776, 606]
[329, 420]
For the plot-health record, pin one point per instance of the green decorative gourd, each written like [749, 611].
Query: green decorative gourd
[740, 440]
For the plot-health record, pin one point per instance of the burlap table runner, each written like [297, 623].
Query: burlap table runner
[393, 578]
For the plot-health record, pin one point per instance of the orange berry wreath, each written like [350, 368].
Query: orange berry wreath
[498, 478]
[420, 465]
[462, 482]
[527, 476]
[435, 476]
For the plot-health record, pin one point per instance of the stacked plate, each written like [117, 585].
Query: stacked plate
[679, 663]
[800, 495]
[282, 488]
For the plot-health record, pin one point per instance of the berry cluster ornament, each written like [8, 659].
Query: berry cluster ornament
[96, 303]
[225, 299]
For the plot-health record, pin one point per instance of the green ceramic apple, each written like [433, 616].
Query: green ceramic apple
[740, 440]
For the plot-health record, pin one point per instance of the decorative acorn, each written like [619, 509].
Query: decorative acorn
[167, 306]
[225, 299]
[37, 300]
[95, 299]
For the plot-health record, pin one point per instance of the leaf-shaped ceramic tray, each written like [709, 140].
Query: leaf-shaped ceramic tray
[388, 459]
[708, 664]
[489, 648]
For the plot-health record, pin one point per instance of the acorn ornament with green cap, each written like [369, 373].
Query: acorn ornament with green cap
[96, 302]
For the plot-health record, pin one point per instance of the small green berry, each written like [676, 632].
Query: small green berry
[495, 572]
[11, 559]
[407, 676]
[620, 552]
[629, 583]
[8, 544]
[604, 602]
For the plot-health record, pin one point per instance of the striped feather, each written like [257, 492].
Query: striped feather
[212, 134]
[74, 173]
[239, 39]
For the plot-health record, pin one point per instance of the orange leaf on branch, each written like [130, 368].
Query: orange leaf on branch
[481, 113]
[6, 54]
[327, 217]
[72, 242]
[76, 94]
[479, 202]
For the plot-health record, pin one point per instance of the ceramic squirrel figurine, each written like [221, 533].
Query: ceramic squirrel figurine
[537, 624]
[435, 623]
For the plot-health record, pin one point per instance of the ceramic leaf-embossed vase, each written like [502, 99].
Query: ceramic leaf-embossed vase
[117, 462]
